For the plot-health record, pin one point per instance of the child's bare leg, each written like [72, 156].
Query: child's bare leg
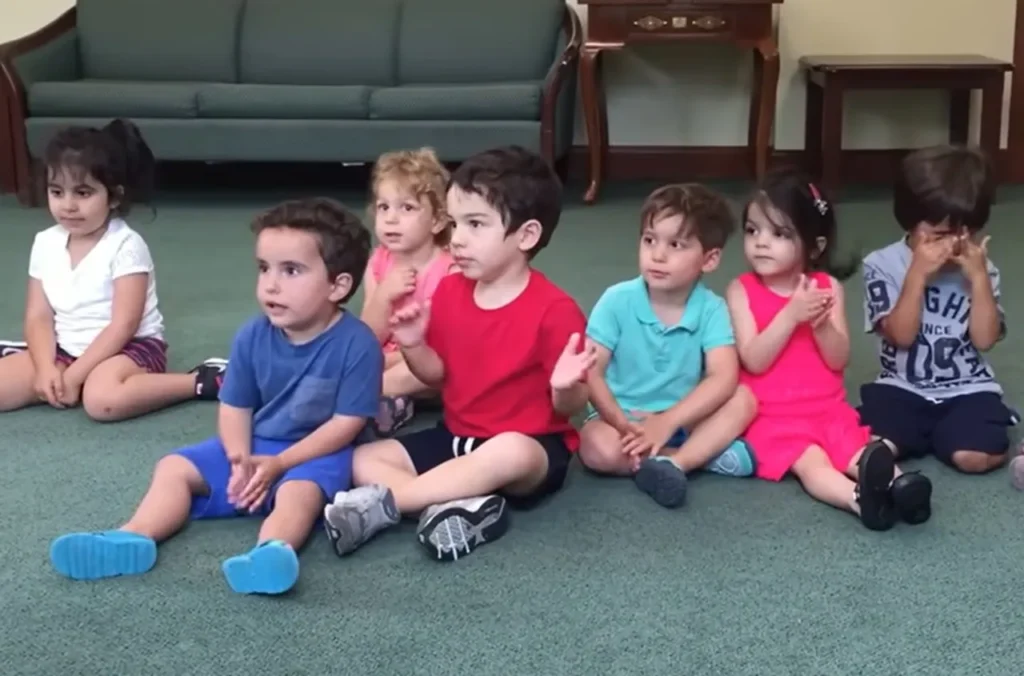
[119, 389]
[721, 430]
[601, 449]
[272, 567]
[450, 493]
[868, 498]
[131, 549]
[17, 382]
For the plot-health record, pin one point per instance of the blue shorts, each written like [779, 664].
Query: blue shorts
[332, 473]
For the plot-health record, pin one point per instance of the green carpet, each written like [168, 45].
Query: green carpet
[749, 578]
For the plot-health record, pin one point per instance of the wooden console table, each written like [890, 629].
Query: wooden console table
[613, 24]
[830, 77]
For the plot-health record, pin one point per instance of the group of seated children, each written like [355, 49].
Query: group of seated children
[670, 377]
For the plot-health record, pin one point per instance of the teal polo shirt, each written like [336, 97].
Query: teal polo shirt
[653, 366]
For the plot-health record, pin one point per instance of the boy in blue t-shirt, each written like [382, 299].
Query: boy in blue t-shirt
[302, 380]
[664, 397]
[932, 298]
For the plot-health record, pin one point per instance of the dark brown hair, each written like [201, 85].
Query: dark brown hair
[116, 156]
[706, 214]
[944, 184]
[518, 184]
[344, 240]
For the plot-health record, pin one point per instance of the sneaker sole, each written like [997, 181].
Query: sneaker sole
[661, 481]
[94, 556]
[875, 472]
[912, 497]
[265, 570]
[444, 535]
[339, 532]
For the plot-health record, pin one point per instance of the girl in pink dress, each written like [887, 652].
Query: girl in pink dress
[791, 333]
[412, 228]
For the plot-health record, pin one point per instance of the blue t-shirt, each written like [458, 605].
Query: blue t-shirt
[942, 362]
[294, 389]
[653, 366]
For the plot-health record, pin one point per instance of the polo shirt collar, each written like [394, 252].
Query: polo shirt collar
[690, 321]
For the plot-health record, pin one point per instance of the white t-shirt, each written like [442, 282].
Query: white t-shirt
[83, 298]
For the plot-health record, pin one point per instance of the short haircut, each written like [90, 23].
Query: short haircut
[705, 213]
[420, 173]
[344, 241]
[518, 184]
[944, 184]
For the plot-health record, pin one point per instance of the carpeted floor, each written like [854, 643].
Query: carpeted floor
[749, 578]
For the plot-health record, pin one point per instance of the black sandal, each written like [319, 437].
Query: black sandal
[874, 476]
[912, 497]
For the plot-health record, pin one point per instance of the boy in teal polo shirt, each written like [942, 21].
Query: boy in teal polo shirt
[664, 391]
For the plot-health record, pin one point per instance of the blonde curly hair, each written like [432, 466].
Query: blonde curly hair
[421, 173]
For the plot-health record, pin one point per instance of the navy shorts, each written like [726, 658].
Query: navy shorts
[919, 426]
[332, 473]
[434, 446]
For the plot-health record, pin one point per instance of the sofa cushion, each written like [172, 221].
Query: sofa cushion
[458, 41]
[503, 101]
[318, 42]
[283, 102]
[183, 40]
[111, 98]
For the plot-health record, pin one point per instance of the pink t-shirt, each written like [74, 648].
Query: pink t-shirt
[381, 262]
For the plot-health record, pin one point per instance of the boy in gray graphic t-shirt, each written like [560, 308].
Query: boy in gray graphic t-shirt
[932, 298]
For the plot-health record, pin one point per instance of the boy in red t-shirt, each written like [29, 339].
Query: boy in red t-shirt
[504, 346]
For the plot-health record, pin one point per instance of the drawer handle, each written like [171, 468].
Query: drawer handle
[650, 23]
[709, 23]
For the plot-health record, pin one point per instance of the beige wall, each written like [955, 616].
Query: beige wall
[698, 95]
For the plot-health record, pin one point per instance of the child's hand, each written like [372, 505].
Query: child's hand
[572, 366]
[399, 282]
[73, 384]
[241, 472]
[972, 257]
[808, 302]
[50, 386]
[648, 437]
[266, 470]
[409, 324]
[932, 253]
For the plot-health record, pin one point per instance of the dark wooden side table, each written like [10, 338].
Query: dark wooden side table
[613, 24]
[830, 77]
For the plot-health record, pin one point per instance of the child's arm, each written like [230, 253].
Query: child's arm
[721, 376]
[899, 324]
[393, 358]
[831, 334]
[986, 324]
[239, 397]
[757, 351]
[376, 308]
[357, 401]
[126, 314]
[234, 427]
[39, 331]
[560, 355]
[600, 394]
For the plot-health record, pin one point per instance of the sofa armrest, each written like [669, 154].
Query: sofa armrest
[559, 96]
[51, 53]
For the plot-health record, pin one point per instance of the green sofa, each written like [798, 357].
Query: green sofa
[295, 81]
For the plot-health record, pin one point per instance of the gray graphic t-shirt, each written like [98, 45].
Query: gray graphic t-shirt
[942, 363]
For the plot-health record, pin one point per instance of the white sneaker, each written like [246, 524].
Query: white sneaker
[458, 527]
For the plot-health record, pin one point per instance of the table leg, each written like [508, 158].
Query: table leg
[959, 116]
[812, 129]
[831, 137]
[762, 104]
[595, 116]
[992, 115]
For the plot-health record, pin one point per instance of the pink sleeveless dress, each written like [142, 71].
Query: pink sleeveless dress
[801, 401]
[381, 262]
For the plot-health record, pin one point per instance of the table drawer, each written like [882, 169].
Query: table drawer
[647, 22]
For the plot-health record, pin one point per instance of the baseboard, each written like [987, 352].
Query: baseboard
[690, 163]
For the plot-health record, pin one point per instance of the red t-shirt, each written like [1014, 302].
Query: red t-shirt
[498, 363]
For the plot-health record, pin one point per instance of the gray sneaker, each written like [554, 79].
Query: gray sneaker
[357, 515]
[458, 527]
[9, 347]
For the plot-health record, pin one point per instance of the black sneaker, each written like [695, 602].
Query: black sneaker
[456, 528]
[912, 497]
[9, 347]
[209, 376]
[874, 476]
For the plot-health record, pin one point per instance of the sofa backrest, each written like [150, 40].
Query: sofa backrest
[456, 41]
[319, 42]
[159, 40]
